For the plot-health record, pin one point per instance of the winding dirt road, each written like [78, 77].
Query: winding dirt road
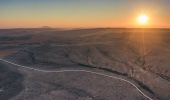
[85, 71]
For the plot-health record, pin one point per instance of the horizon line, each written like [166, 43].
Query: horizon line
[86, 28]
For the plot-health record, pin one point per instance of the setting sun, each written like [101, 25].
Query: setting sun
[143, 19]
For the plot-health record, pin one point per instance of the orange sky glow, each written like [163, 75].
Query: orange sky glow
[74, 14]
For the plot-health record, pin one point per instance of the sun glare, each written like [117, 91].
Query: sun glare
[143, 19]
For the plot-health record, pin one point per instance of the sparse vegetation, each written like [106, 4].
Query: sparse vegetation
[113, 51]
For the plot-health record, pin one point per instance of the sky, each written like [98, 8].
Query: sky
[83, 13]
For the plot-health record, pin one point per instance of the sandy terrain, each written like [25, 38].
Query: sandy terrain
[140, 56]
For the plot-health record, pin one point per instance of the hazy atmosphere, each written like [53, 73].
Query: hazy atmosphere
[84, 50]
[82, 13]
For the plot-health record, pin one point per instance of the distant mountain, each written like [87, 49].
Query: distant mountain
[45, 27]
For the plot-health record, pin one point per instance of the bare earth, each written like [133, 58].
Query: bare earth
[140, 56]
